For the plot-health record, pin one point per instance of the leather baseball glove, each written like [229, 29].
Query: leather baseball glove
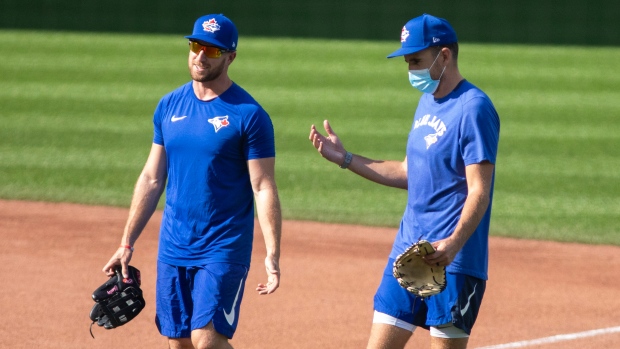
[118, 300]
[412, 272]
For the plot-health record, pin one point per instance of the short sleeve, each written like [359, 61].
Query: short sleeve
[260, 136]
[479, 131]
[158, 116]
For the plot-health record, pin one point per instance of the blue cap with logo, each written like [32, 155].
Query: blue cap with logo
[216, 30]
[423, 32]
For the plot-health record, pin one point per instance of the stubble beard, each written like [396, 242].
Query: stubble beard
[208, 75]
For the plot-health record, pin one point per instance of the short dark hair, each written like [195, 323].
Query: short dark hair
[453, 47]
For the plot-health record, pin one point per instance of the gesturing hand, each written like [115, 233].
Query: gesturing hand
[329, 147]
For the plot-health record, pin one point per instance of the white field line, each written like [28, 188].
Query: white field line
[554, 339]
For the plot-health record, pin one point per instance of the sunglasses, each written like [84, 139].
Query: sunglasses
[210, 51]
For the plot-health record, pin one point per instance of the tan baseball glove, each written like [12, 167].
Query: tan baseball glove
[417, 277]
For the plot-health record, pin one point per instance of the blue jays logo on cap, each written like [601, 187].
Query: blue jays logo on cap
[423, 32]
[404, 34]
[216, 30]
[211, 26]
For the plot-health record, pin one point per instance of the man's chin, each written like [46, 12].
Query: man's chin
[201, 77]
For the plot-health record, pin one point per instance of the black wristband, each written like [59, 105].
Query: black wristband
[347, 160]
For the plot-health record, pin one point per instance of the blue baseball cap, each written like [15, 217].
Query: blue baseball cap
[423, 32]
[216, 30]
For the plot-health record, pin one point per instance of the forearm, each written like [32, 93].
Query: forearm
[479, 183]
[143, 204]
[474, 209]
[389, 173]
[270, 219]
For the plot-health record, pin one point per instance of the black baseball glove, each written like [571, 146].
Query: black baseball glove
[118, 300]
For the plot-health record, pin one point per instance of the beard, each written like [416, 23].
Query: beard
[206, 75]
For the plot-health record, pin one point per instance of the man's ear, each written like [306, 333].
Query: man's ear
[448, 56]
[231, 57]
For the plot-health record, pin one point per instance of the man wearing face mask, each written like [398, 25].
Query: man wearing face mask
[448, 172]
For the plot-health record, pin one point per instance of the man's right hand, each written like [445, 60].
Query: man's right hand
[122, 258]
[329, 147]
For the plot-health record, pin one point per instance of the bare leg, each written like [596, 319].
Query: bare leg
[384, 336]
[448, 343]
[208, 338]
[180, 343]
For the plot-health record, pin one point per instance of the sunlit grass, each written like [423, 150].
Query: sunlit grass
[77, 124]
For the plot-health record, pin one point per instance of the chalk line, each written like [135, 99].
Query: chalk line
[554, 339]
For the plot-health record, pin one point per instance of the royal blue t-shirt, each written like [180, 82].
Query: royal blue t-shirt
[448, 134]
[209, 211]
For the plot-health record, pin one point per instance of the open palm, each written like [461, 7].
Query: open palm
[329, 147]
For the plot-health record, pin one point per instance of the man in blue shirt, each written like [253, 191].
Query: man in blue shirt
[214, 146]
[448, 172]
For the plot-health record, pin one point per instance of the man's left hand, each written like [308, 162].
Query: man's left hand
[273, 277]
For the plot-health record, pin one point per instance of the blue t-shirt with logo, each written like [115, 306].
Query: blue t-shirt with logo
[447, 135]
[209, 210]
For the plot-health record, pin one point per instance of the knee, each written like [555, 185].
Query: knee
[208, 338]
[180, 343]
[212, 344]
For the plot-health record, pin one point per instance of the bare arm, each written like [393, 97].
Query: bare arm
[389, 173]
[148, 190]
[479, 178]
[262, 173]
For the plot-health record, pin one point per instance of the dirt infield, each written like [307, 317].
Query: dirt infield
[51, 256]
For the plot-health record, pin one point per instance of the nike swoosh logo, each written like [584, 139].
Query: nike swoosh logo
[464, 310]
[177, 118]
[230, 317]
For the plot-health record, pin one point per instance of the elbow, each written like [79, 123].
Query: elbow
[484, 200]
[152, 183]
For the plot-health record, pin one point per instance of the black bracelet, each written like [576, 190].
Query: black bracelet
[347, 160]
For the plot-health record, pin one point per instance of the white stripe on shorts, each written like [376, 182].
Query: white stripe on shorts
[448, 331]
[382, 318]
[443, 331]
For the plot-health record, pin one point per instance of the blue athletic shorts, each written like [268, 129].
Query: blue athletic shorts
[457, 304]
[188, 298]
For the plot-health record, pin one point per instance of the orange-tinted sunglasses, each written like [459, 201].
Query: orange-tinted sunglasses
[210, 51]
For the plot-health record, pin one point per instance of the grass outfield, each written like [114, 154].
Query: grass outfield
[76, 115]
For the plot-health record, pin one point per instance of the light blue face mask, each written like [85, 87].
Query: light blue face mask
[421, 79]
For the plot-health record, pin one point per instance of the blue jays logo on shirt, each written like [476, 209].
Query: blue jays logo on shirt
[211, 26]
[435, 123]
[219, 121]
[430, 139]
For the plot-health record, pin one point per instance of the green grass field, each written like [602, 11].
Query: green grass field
[76, 126]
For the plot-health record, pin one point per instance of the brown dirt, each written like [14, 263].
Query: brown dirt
[51, 256]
